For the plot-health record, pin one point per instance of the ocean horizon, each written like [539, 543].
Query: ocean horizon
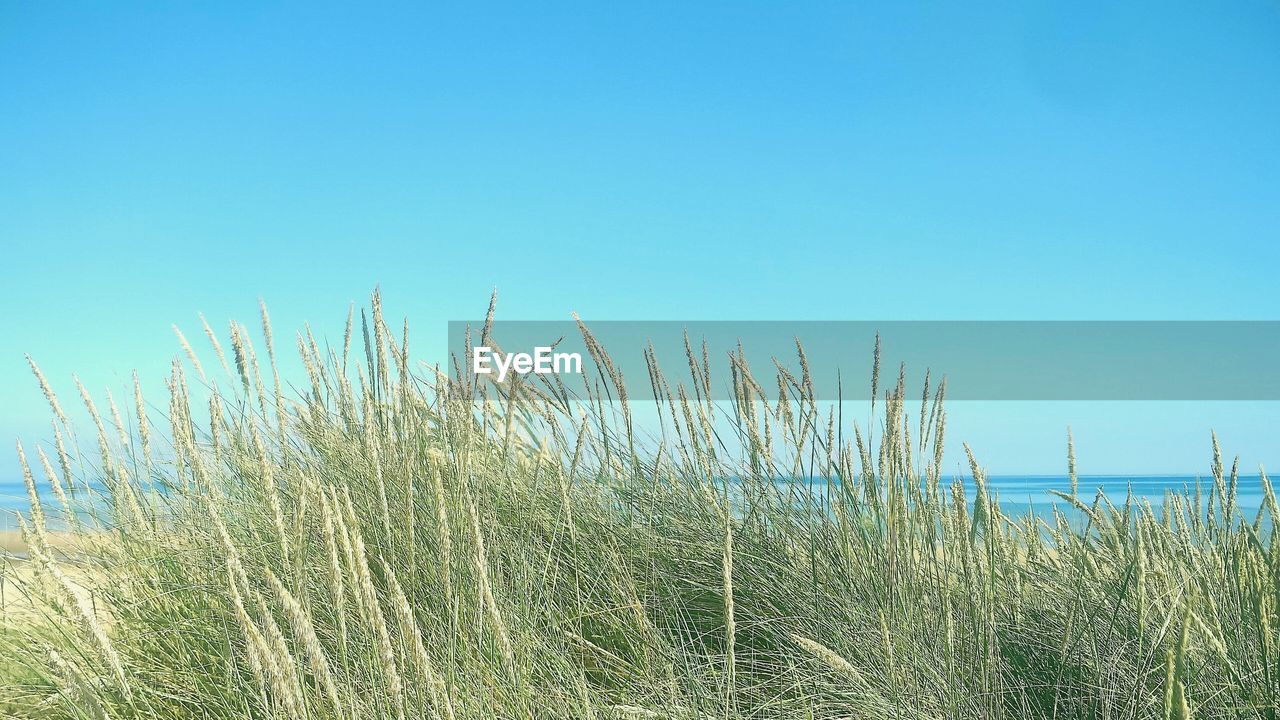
[1016, 492]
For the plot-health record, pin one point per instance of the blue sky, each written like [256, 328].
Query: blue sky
[654, 161]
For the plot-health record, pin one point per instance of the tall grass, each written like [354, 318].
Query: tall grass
[392, 543]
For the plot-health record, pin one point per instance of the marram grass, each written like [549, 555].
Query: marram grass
[391, 543]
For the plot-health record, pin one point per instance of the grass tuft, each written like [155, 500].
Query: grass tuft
[390, 544]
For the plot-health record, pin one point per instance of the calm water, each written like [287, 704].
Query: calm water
[1033, 491]
[1020, 493]
[1017, 492]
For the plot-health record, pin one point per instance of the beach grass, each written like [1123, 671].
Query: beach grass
[390, 542]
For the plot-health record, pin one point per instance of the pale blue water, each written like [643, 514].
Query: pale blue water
[1033, 491]
[1020, 493]
[13, 500]
[1017, 493]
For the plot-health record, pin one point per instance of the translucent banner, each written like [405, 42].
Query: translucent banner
[981, 360]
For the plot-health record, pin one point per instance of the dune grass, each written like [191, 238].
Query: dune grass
[392, 543]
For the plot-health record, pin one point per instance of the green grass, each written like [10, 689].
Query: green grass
[396, 545]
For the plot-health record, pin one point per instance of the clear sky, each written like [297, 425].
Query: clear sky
[643, 161]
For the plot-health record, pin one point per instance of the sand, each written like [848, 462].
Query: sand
[17, 574]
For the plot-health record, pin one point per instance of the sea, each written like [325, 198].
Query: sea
[1018, 494]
